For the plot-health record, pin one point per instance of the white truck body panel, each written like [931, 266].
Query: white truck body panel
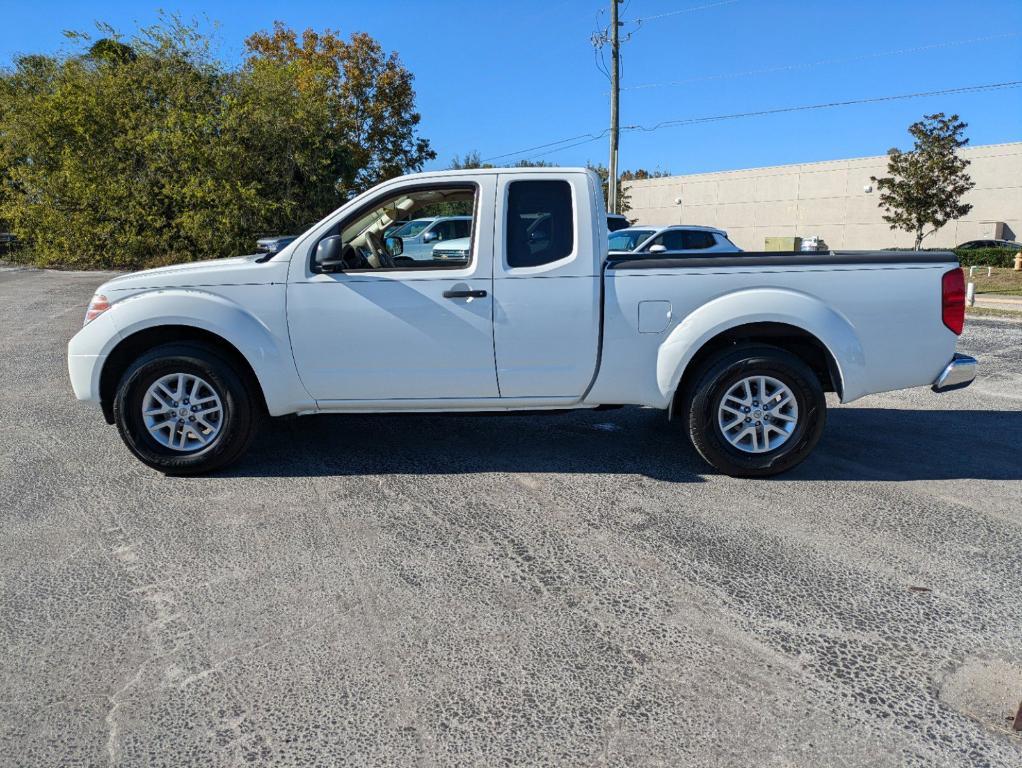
[881, 324]
[236, 299]
[391, 335]
[563, 295]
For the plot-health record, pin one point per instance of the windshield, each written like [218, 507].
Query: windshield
[627, 240]
[412, 228]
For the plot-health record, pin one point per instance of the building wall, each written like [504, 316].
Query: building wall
[829, 200]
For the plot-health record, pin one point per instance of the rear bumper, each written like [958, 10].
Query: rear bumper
[957, 374]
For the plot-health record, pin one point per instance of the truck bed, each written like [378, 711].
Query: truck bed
[878, 313]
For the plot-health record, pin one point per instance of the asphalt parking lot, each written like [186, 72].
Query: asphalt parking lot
[575, 589]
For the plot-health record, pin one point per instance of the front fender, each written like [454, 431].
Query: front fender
[260, 334]
[763, 305]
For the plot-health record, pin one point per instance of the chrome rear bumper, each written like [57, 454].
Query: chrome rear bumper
[957, 374]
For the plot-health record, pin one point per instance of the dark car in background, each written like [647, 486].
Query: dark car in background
[274, 243]
[976, 244]
[616, 221]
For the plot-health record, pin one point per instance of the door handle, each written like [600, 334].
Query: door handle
[464, 294]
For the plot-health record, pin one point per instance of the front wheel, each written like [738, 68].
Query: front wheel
[754, 411]
[183, 409]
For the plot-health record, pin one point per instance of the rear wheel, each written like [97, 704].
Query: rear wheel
[183, 409]
[754, 411]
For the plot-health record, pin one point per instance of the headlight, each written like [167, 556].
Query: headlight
[97, 307]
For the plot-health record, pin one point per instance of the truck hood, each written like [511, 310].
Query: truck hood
[240, 270]
[454, 244]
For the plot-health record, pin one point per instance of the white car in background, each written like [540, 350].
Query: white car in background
[453, 250]
[419, 236]
[678, 238]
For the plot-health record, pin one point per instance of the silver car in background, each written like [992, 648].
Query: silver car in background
[419, 236]
[677, 238]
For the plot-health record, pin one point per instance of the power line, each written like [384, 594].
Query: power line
[823, 62]
[828, 105]
[684, 10]
[589, 136]
[585, 138]
[569, 146]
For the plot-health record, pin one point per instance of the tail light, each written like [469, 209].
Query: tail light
[952, 300]
[97, 307]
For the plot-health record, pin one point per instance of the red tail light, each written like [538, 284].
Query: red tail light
[952, 300]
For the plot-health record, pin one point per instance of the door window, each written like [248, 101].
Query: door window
[671, 240]
[697, 240]
[461, 228]
[685, 240]
[359, 243]
[540, 222]
[628, 239]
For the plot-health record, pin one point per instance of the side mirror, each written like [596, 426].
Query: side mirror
[395, 245]
[328, 254]
[658, 249]
[430, 236]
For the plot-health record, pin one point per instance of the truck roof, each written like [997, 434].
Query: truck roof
[491, 171]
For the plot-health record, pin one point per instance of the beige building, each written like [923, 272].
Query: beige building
[833, 200]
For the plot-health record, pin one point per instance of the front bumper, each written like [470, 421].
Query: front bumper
[957, 374]
[86, 353]
[84, 371]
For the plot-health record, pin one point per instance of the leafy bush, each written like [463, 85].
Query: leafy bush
[126, 155]
[977, 257]
[987, 257]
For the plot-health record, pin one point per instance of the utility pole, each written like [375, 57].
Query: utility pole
[615, 88]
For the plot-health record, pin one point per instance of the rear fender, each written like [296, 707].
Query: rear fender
[763, 305]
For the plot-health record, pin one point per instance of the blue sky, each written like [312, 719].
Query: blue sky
[504, 76]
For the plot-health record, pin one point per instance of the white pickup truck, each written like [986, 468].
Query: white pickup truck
[737, 347]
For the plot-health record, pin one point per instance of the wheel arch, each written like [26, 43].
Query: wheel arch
[790, 320]
[131, 347]
[799, 342]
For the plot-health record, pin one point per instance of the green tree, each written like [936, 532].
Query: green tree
[149, 151]
[926, 184]
[472, 159]
[104, 154]
[642, 173]
[356, 101]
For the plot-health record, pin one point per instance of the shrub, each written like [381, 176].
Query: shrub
[130, 155]
[987, 257]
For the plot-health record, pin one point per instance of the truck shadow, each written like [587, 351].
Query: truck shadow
[896, 444]
[859, 444]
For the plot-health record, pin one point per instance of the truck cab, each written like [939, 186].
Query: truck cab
[421, 320]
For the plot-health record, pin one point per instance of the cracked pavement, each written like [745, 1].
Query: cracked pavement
[572, 589]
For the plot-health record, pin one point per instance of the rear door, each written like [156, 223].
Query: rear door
[546, 285]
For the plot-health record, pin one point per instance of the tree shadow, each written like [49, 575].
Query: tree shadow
[859, 444]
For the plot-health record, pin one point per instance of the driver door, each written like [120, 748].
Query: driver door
[413, 331]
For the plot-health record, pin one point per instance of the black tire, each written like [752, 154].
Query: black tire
[241, 405]
[711, 383]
